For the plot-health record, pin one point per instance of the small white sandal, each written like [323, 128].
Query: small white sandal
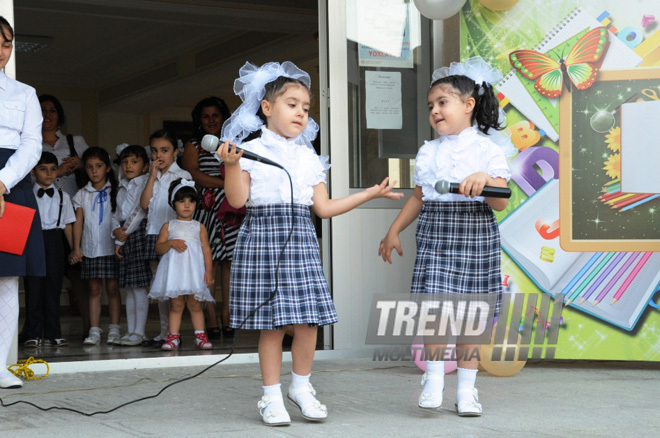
[470, 407]
[309, 406]
[273, 412]
[430, 400]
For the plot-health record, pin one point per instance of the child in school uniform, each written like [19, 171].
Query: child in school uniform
[42, 294]
[458, 241]
[280, 94]
[129, 228]
[164, 170]
[93, 244]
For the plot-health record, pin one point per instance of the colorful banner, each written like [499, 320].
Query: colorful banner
[584, 116]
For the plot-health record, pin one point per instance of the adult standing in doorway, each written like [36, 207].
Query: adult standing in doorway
[222, 223]
[70, 177]
[20, 150]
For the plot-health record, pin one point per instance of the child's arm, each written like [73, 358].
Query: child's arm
[148, 191]
[68, 234]
[237, 182]
[474, 184]
[76, 255]
[118, 251]
[325, 207]
[163, 245]
[209, 278]
[408, 214]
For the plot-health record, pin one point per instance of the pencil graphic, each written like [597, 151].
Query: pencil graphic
[630, 200]
[603, 275]
[638, 203]
[610, 284]
[579, 275]
[589, 277]
[631, 277]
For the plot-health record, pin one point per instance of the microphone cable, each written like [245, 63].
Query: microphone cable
[176, 382]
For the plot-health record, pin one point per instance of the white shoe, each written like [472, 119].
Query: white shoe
[273, 412]
[132, 339]
[430, 400]
[470, 406]
[310, 407]
[94, 337]
[9, 381]
[114, 338]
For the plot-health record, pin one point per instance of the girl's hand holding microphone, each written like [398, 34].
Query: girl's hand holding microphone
[228, 154]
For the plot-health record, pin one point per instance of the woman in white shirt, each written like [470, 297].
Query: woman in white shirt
[20, 150]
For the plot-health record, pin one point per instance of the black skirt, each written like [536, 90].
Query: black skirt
[33, 260]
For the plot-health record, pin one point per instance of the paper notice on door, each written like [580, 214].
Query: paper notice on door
[383, 100]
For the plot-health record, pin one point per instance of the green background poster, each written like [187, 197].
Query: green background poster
[595, 143]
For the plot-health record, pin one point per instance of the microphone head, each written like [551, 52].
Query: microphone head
[210, 143]
[442, 187]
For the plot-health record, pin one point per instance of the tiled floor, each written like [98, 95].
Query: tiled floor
[72, 329]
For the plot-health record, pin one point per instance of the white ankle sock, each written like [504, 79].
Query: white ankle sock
[297, 381]
[466, 380]
[273, 389]
[435, 384]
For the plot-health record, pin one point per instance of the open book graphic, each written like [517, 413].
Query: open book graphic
[615, 287]
[544, 112]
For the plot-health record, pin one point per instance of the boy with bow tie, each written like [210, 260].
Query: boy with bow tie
[42, 294]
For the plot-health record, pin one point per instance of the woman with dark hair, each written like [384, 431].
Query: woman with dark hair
[222, 224]
[67, 148]
[20, 150]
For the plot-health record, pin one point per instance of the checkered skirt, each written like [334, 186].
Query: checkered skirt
[302, 294]
[134, 270]
[99, 267]
[458, 250]
[150, 249]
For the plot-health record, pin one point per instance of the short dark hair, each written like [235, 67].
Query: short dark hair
[183, 193]
[47, 158]
[6, 28]
[167, 135]
[61, 117]
[136, 150]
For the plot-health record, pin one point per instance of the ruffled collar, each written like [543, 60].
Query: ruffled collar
[271, 138]
[91, 189]
[461, 141]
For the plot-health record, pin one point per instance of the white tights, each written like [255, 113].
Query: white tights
[137, 309]
[8, 316]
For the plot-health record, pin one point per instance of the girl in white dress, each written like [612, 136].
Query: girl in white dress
[185, 272]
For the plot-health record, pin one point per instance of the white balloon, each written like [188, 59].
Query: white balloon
[439, 9]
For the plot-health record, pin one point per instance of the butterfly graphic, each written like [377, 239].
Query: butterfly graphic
[579, 67]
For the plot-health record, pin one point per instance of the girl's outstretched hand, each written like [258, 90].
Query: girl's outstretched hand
[387, 244]
[227, 153]
[178, 244]
[383, 190]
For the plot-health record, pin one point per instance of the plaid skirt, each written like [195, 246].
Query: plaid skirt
[134, 270]
[302, 294]
[99, 267]
[458, 250]
[150, 250]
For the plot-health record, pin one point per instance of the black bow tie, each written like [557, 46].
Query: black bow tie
[50, 192]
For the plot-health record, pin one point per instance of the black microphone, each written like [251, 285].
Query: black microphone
[210, 144]
[443, 187]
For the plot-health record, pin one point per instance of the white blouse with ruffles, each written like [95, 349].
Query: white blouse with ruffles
[269, 184]
[453, 158]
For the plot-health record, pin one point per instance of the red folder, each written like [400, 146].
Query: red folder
[14, 228]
